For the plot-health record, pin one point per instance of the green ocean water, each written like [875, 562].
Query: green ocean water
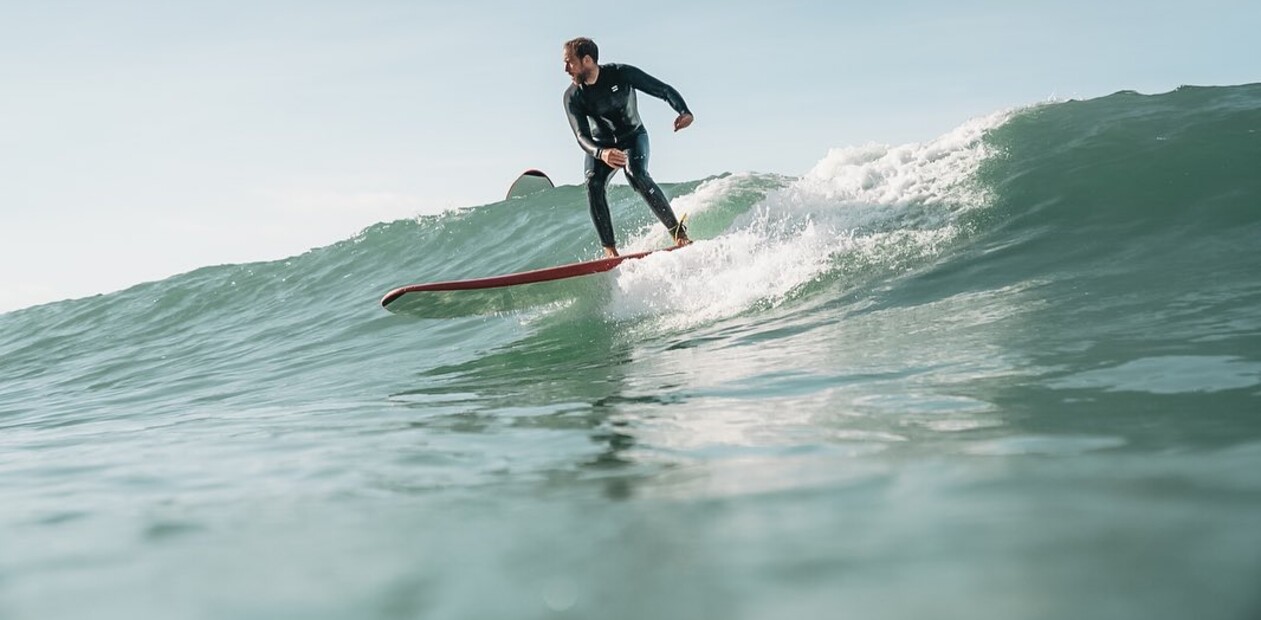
[1011, 372]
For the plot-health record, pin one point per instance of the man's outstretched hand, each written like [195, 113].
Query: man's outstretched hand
[683, 121]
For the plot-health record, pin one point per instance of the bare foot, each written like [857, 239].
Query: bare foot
[610, 252]
[681, 241]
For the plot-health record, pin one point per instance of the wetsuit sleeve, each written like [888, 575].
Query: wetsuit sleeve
[651, 85]
[581, 124]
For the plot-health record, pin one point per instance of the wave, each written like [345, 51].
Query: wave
[1125, 185]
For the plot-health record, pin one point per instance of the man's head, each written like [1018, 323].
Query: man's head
[581, 59]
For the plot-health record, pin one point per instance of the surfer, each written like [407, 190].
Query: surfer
[603, 114]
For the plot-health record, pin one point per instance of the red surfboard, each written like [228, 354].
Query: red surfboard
[493, 294]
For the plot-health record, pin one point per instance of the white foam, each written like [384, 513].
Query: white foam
[856, 187]
[886, 203]
[717, 278]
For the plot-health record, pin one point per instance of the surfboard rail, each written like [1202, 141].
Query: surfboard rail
[545, 274]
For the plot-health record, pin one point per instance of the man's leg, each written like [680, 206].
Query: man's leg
[637, 175]
[598, 174]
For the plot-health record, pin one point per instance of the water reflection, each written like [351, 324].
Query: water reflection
[566, 379]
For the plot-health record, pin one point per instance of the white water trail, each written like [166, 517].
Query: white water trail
[885, 203]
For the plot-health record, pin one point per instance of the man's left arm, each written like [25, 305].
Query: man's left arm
[651, 85]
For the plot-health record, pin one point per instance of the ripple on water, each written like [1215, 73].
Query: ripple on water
[943, 413]
[1043, 445]
[1170, 374]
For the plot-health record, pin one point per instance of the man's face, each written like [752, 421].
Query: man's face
[578, 69]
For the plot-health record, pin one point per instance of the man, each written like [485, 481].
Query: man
[602, 112]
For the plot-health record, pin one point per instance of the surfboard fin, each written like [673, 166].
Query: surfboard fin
[680, 229]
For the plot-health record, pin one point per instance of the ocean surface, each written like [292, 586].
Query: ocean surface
[1011, 372]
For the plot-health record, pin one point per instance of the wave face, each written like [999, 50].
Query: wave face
[1015, 370]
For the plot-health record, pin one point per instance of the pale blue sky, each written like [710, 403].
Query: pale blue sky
[139, 138]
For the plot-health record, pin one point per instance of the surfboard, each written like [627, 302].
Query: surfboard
[493, 294]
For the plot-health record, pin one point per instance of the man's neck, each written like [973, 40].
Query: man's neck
[595, 75]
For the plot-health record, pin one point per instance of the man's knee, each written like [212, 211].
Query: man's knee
[637, 174]
[595, 182]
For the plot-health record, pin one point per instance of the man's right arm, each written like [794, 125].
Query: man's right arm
[581, 125]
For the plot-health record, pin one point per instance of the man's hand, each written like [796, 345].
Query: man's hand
[683, 121]
[615, 158]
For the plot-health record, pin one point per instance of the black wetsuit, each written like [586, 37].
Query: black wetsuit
[605, 115]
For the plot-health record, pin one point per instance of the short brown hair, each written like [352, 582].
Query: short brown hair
[582, 46]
